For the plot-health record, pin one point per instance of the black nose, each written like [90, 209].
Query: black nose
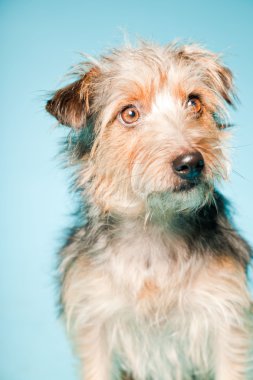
[188, 166]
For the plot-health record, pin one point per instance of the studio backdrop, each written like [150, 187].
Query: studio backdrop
[40, 41]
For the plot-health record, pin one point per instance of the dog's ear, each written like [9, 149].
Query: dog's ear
[71, 104]
[226, 88]
[217, 76]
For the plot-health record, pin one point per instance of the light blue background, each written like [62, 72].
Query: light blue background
[41, 40]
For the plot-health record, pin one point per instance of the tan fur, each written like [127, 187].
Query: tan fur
[198, 301]
[149, 289]
[142, 296]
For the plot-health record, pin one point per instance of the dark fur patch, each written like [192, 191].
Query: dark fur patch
[68, 105]
[210, 231]
[71, 104]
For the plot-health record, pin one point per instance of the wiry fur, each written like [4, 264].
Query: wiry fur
[154, 283]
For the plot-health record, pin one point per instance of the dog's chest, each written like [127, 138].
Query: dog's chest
[150, 268]
[155, 281]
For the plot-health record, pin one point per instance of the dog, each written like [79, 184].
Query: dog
[154, 275]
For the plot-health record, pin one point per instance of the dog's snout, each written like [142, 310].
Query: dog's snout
[188, 166]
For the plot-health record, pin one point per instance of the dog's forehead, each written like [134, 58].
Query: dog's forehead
[139, 65]
[153, 70]
[165, 101]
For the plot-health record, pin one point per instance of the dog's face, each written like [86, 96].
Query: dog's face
[157, 114]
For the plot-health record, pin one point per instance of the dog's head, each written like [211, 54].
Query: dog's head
[157, 115]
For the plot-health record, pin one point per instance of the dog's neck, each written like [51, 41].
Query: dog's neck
[171, 220]
[205, 231]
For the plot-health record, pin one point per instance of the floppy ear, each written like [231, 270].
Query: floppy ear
[71, 104]
[217, 76]
[226, 87]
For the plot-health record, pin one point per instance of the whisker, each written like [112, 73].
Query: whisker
[239, 174]
[241, 146]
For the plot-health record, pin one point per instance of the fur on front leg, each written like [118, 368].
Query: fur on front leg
[234, 325]
[94, 353]
[223, 299]
[83, 295]
[234, 350]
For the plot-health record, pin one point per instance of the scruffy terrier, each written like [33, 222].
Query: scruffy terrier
[154, 278]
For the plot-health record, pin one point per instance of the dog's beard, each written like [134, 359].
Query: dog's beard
[185, 199]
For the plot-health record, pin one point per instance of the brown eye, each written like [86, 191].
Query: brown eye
[129, 115]
[194, 105]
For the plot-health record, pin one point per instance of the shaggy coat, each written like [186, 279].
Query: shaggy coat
[153, 278]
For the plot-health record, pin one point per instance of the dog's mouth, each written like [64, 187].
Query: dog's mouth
[185, 197]
[185, 186]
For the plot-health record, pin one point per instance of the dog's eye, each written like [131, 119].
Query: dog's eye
[129, 115]
[194, 105]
